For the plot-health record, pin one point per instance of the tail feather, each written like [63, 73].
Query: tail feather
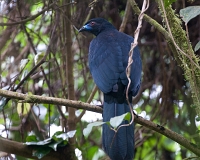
[120, 145]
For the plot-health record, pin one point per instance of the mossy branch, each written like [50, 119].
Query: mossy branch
[189, 61]
[180, 47]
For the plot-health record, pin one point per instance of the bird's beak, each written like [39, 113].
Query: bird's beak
[86, 27]
[82, 29]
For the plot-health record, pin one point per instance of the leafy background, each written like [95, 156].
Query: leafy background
[164, 97]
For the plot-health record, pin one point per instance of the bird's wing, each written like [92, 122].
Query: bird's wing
[136, 66]
[108, 58]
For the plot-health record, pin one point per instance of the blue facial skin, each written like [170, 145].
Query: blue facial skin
[86, 27]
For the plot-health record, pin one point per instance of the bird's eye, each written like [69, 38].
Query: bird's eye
[92, 23]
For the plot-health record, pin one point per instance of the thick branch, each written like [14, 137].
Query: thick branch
[21, 149]
[69, 71]
[81, 105]
[49, 100]
[168, 133]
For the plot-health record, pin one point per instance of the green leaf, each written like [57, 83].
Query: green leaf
[198, 145]
[71, 134]
[189, 12]
[128, 117]
[63, 136]
[193, 106]
[31, 138]
[92, 150]
[67, 135]
[198, 119]
[40, 143]
[57, 133]
[23, 63]
[41, 152]
[25, 72]
[168, 2]
[89, 127]
[23, 108]
[196, 48]
[54, 145]
[42, 148]
[198, 131]
[54, 137]
[2, 103]
[38, 57]
[116, 121]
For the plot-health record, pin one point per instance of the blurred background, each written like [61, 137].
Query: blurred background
[164, 96]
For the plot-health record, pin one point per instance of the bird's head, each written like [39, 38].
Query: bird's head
[96, 26]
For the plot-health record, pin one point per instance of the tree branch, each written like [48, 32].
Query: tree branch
[49, 100]
[81, 105]
[21, 149]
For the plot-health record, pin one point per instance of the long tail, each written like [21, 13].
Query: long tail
[122, 146]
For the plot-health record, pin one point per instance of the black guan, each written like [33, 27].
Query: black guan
[108, 59]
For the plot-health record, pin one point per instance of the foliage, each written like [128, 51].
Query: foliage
[42, 148]
[35, 48]
[189, 13]
[169, 2]
[114, 123]
[189, 61]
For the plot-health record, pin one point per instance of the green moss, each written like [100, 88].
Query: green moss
[187, 60]
[31, 98]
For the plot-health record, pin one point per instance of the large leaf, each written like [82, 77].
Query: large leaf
[189, 12]
[89, 127]
[116, 121]
[42, 148]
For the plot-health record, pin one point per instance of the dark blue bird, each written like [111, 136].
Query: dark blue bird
[108, 59]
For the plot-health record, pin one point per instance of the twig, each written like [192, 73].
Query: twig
[28, 19]
[25, 78]
[94, 90]
[125, 18]
[35, 52]
[52, 93]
